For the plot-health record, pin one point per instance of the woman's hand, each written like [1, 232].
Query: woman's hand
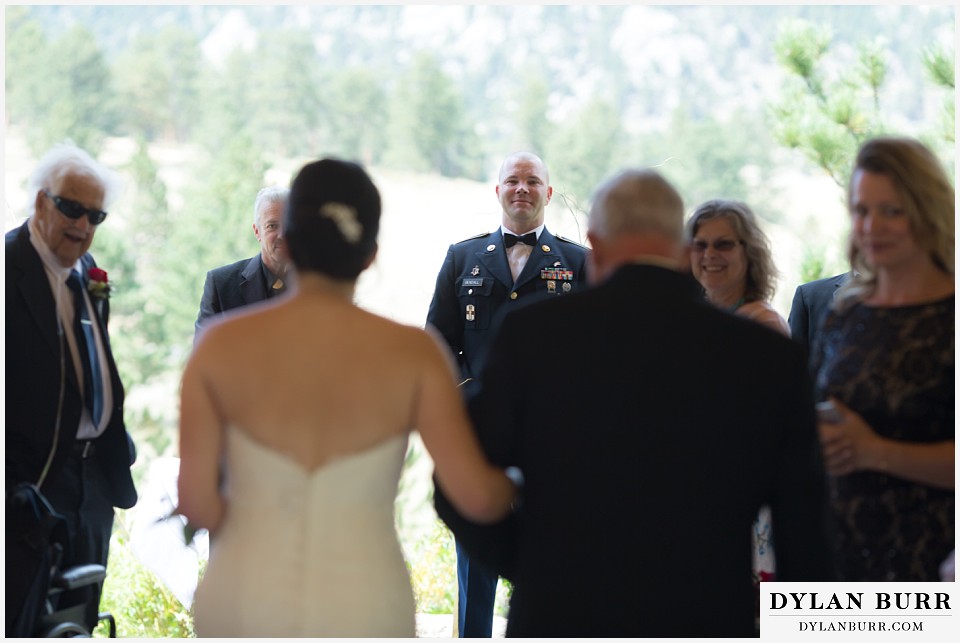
[850, 444]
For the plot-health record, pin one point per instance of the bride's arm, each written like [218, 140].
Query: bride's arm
[201, 436]
[479, 491]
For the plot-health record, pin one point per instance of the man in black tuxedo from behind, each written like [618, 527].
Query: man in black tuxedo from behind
[664, 425]
[65, 431]
[257, 278]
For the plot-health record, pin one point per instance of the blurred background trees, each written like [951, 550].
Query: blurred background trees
[199, 106]
[830, 104]
[203, 105]
[828, 107]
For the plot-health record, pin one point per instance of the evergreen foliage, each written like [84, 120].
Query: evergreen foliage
[578, 162]
[158, 78]
[60, 88]
[381, 85]
[828, 115]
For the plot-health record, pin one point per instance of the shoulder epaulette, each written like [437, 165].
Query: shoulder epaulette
[476, 236]
[576, 243]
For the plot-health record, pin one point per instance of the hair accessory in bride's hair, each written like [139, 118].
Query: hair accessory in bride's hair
[345, 217]
[324, 194]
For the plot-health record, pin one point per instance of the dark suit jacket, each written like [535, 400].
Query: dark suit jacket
[475, 273]
[232, 286]
[811, 301]
[650, 427]
[33, 363]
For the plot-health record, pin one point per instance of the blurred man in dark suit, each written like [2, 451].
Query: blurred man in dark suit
[810, 304]
[663, 425]
[64, 418]
[257, 278]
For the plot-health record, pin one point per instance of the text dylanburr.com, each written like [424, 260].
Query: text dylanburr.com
[861, 611]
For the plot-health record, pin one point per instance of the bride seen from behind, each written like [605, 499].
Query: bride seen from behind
[294, 420]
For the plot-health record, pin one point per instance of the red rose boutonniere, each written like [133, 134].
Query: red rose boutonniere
[97, 284]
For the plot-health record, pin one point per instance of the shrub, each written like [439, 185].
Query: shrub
[142, 606]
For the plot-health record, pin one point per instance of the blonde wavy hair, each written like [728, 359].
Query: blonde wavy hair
[927, 195]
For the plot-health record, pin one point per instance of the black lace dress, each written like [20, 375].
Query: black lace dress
[895, 367]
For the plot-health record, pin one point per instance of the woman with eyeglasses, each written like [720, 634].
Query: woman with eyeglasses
[730, 257]
[885, 359]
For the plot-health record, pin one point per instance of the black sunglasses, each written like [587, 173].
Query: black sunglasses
[73, 210]
[720, 245]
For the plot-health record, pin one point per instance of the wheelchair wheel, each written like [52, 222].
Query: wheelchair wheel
[66, 630]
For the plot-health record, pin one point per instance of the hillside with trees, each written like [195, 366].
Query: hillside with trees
[199, 106]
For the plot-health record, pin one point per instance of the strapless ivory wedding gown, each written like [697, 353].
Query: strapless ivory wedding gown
[307, 553]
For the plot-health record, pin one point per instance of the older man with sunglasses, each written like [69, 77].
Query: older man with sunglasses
[64, 420]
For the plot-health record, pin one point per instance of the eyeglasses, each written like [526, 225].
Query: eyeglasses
[720, 245]
[73, 210]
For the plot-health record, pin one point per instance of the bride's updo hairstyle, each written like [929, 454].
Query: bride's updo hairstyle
[332, 219]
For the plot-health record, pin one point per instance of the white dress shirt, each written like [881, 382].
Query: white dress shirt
[517, 255]
[63, 299]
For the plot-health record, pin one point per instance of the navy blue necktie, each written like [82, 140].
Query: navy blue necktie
[87, 346]
[510, 240]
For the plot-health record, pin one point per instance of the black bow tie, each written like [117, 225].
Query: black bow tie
[510, 240]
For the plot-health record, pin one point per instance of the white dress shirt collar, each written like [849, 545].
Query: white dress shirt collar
[50, 261]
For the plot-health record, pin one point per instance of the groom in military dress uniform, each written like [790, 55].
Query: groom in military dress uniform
[482, 278]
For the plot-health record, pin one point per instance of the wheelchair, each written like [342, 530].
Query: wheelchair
[35, 540]
[73, 621]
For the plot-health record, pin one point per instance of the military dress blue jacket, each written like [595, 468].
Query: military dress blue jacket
[475, 288]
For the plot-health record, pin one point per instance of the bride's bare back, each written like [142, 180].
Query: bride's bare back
[314, 377]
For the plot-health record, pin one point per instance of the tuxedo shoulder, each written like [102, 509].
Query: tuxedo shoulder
[13, 234]
[822, 282]
[232, 267]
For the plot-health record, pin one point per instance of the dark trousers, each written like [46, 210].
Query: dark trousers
[77, 494]
[478, 590]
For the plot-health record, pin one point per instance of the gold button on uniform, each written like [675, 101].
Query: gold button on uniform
[545, 248]
[513, 295]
